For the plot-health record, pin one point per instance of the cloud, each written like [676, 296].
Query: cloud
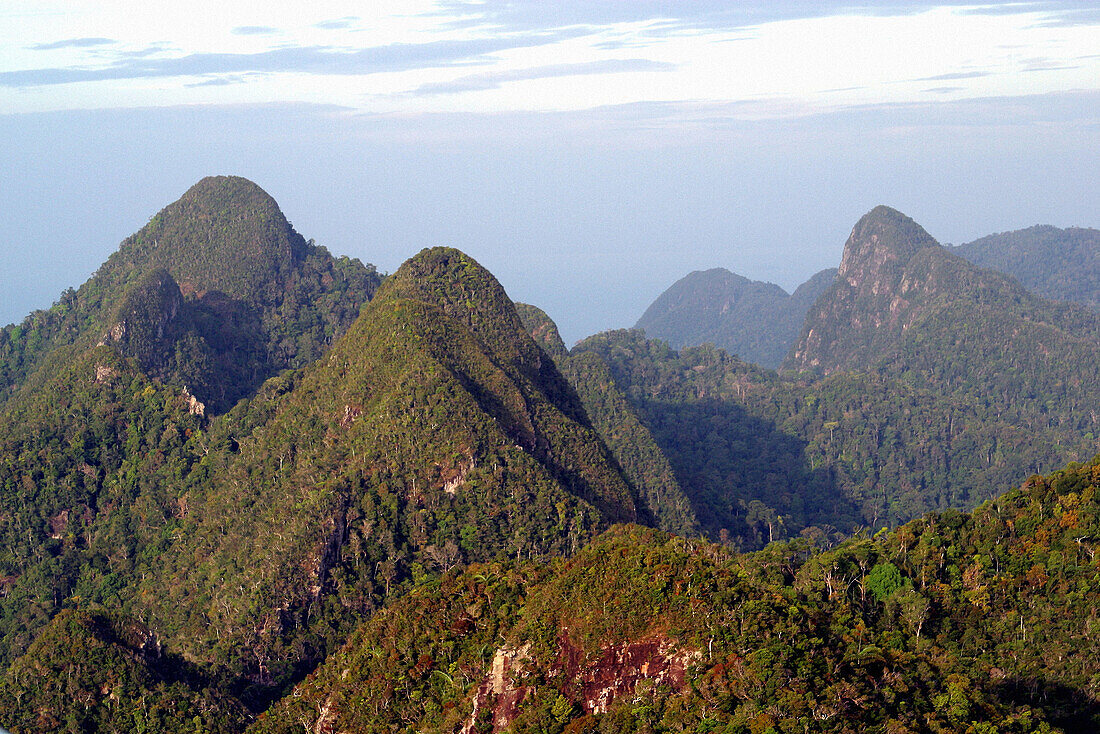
[73, 43]
[1045, 64]
[337, 24]
[953, 76]
[322, 60]
[1060, 13]
[1050, 68]
[721, 15]
[155, 48]
[493, 80]
[219, 81]
[253, 30]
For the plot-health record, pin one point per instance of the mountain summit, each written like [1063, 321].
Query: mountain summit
[225, 233]
[882, 241]
[756, 321]
[903, 305]
[231, 292]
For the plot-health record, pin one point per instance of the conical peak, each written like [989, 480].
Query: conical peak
[882, 236]
[466, 291]
[448, 278]
[542, 328]
[718, 274]
[225, 233]
[235, 190]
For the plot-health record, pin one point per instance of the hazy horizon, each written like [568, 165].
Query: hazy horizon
[588, 154]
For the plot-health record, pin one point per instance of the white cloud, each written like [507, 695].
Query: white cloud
[375, 59]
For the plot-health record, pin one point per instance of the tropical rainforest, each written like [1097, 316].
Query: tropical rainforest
[248, 486]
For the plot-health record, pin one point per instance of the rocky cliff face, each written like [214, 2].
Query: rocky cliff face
[890, 268]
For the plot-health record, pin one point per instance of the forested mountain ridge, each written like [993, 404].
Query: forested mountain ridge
[979, 622]
[112, 389]
[613, 417]
[257, 297]
[942, 380]
[1059, 264]
[897, 286]
[405, 526]
[755, 321]
[435, 432]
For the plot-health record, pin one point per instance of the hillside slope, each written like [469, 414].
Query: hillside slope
[755, 321]
[956, 622]
[434, 433]
[1059, 264]
[614, 418]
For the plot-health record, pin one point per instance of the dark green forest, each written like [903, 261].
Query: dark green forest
[249, 486]
[1059, 264]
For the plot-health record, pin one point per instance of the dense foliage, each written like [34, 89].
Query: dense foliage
[1059, 264]
[231, 485]
[614, 418]
[981, 622]
[758, 322]
[258, 297]
[434, 433]
[87, 470]
[95, 672]
[762, 456]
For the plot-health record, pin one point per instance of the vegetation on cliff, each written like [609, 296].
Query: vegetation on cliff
[956, 622]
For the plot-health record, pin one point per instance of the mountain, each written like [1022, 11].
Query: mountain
[241, 296]
[631, 443]
[756, 321]
[903, 302]
[940, 380]
[954, 622]
[247, 544]
[228, 503]
[1059, 264]
[434, 433]
[110, 392]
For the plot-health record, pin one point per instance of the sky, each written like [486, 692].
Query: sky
[588, 152]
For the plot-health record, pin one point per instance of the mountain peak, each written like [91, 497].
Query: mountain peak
[466, 291]
[881, 238]
[755, 320]
[543, 329]
[225, 233]
[880, 288]
[235, 189]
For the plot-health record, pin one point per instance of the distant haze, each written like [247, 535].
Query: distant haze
[589, 154]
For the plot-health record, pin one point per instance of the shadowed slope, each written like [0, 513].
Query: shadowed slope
[756, 321]
[429, 436]
[611, 414]
[259, 298]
